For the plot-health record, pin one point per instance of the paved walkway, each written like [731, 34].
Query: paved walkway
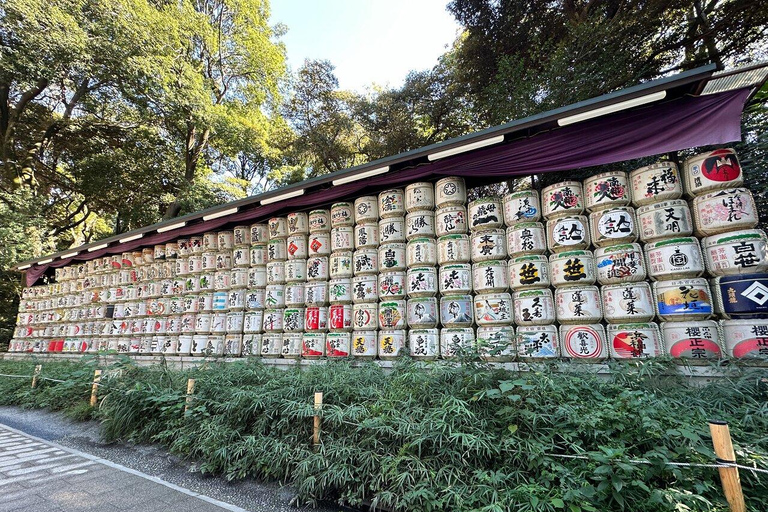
[41, 476]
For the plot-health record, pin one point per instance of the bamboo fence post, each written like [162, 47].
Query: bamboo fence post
[190, 392]
[36, 374]
[95, 387]
[316, 430]
[721, 440]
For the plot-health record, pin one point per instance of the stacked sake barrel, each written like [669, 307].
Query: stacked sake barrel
[256, 292]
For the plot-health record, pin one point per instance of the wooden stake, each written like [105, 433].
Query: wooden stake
[190, 392]
[35, 374]
[318, 406]
[95, 387]
[721, 440]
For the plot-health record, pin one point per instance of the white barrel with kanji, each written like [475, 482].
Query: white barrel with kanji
[568, 233]
[278, 228]
[273, 320]
[739, 252]
[340, 290]
[366, 209]
[225, 240]
[316, 318]
[235, 322]
[522, 206]
[455, 279]
[683, 299]
[392, 230]
[450, 191]
[391, 343]
[365, 288]
[493, 309]
[485, 213]
[296, 247]
[578, 305]
[253, 322]
[420, 224]
[259, 233]
[746, 339]
[496, 344]
[664, 220]
[526, 238]
[255, 298]
[453, 249]
[421, 282]
[342, 239]
[364, 344]
[316, 293]
[534, 307]
[572, 268]
[635, 340]
[628, 302]
[295, 271]
[654, 183]
[241, 236]
[341, 265]
[271, 344]
[366, 235]
[455, 340]
[585, 343]
[340, 317]
[420, 252]
[313, 345]
[537, 342]
[365, 316]
[526, 272]
[317, 268]
[419, 196]
[489, 244]
[338, 344]
[258, 254]
[424, 343]
[238, 278]
[422, 312]
[562, 199]
[275, 296]
[392, 203]
[675, 258]
[342, 214]
[251, 344]
[392, 285]
[319, 244]
[725, 210]
[613, 226]
[277, 250]
[368, 261]
[490, 276]
[298, 223]
[712, 170]
[241, 257]
[451, 220]
[319, 221]
[698, 342]
[607, 190]
[620, 264]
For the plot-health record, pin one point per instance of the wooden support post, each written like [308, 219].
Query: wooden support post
[190, 392]
[36, 374]
[721, 440]
[318, 406]
[95, 387]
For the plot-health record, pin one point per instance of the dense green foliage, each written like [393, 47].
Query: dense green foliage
[432, 437]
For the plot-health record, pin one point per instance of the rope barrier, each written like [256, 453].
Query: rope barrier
[16, 376]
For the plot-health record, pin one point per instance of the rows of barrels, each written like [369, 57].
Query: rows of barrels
[618, 266]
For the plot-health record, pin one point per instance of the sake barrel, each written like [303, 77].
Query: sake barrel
[313, 345]
[208, 260]
[534, 307]
[526, 238]
[453, 249]
[241, 257]
[148, 255]
[255, 298]
[613, 226]
[695, 341]
[340, 317]
[746, 339]
[277, 250]
[298, 223]
[391, 343]
[185, 345]
[242, 236]
[366, 261]
[683, 299]
[236, 299]
[451, 220]
[584, 343]
[712, 170]
[293, 319]
[341, 265]
[537, 342]
[235, 322]
[278, 228]
[572, 268]
[393, 285]
[527, 272]
[364, 344]
[424, 343]
[486, 245]
[366, 235]
[392, 314]
[337, 344]
[342, 214]
[275, 296]
[420, 252]
[271, 344]
[392, 203]
[316, 293]
[220, 300]
[607, 190]
[628, 302]
[485, 213]
[419, 196]
[316, 318]
[568, 233]
[674, 258]
[456, 341]
[739, 252]
[203, 323]
[620, 264]
[522, 206]
[392, 230]
[450, 191]
[317, 268]
[496, 344]
[319, 221]
[490, 276]
[455, 279]
[251, 344]
[342, 238]
[365, 288]
[366, 209]
[218, 323]
[295, 271]
[664, 220]
[389, 256]
[741, 297]
[655, 182]
[258, 254]
[253, 321]
[365, 316]
[183, 246]
[276, 272]
[422, 312]
[296, 247]
[226, 240]
[493, 309]
[562, 199]
[273, 320]
[725, 210]
[238, 278]
[635, 340]
[422, 282]
[420, 224]
[259, 233]
[578, 305]
[340, 290]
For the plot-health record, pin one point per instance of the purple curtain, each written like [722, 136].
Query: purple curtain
[674, 125]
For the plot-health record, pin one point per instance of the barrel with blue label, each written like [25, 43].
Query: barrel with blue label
[741, 297]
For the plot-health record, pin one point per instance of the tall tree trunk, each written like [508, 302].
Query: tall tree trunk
[194, 145]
